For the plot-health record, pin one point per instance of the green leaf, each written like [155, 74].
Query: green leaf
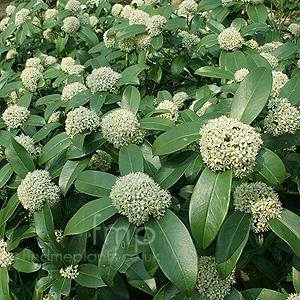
[180, 264]
[270, 166]
[173, 168]
[291, 90]
[95, 183]
[177, 138]
[156, 123]
[257, 13]
[287, 228]
[35, 120]
[79, 99]
[151, 163]
[214, 72]
[61, 43]
[44, 283]
[265, 294]
[44, 225]
[48, 99]
[252, 95]
[89, 276]
[232, 61]
[56, 145]
[5, 174]
[234, 295]
[19, 235]
[90, 216]
[115, 249]
[131, 99]
[209, 205]
[130, 31]
[157, 42]
[88, 36]
[267, 268]
[4, 284]
[168, 291]
[296, 274]
[25, 262]
[283, 141]
[25, 100]
[176, 23]
[70, 171]
[231, 241]
[9, 209]
[178, 65]
[19, 159]
[130, 159]
[285, 51]
[60, 286]
[45, 130]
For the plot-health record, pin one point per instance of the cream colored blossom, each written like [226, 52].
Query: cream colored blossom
[70, 25]
[71, 90]
[30, 77]
[70, 272]
[230, 39]
[172, 107]
[15, 116]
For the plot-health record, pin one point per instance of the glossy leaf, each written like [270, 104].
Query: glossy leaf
[214, 72]
[209, 205]
[5, 174]
[261, 293]
[9, 209]
[25, 262]
[89, 276]
[156, 123]
[90, 216]
[296, 273]
[130, 159]
[4, 284]
[131, 99]
[180, 264]
[257, 13]
[291, 90]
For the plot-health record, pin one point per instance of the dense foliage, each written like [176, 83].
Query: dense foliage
[150, 150]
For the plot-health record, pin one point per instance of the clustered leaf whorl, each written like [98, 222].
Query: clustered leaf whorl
[6, 258]
[121, 128]
[80, 120]
[15, 116]
[36, 188]
[137, 196]
[230, 39]
[210, 284]
[261, 201]
[227, 143]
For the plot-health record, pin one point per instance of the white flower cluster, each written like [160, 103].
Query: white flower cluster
[227, 143]
[14, 97]
[293, 297]
[126, 11]
[210, 284]
[68, 65]
[70, 272]
[109, 41]
[294, 28]
[101, 161]
[21, 16]
[36, 188]
[155, 25]
[30, 77]
[261, 201]
[84, 19]
[59, 234]
[6, 258]
[103, 79]
[116, 9]
[282, 117]
[80, 120]
[34, 62]
[252, 44]
[225, 2]
[200, 112]
[279, 80]
[73, 6]
[93, 21]
[272, 60]
[70, 25]
[54, 117]
[138, 16]
[137, 196]
[121, 128]
[127, 44]
[28, 143]
[143, 41]
[12, 53]
[240, 74]
[51, 13]
[15, 116]
[269, 47]
[49, 60]
[4, 23]
[187, 8]
[180, 98]
[230, 39]
[172, 107]
[188, 39]
[10, 9]
[72, 89]
[49, 35]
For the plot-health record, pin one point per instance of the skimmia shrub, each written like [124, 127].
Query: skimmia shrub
[150, 150]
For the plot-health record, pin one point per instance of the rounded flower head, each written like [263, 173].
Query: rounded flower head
[230, 39]
[49, 35]
[101, 161]
[127, 44]
[80, 120]
[180, 98]
[187, 8]
[200, 112]
[209, 283]
[261, 201]
[51, 13]
[240, 74]
[269, 47]
[6, 258]
[68, 66]
[70, 25]
[93, 21]
[12, 53]
[143, 41]
[103, 79]
[109, 41]
[227, 143]
[15, 116]
[21, 16]
[36, 188]
[34, 62]
[30, 77]
[116, 9]
[252, 44]
[293, 297]
[4, 23]
[188, 39]
[137, 196]
[49, 60]
[295, 29]
[70, 272]
[272, 60]
[138, 16]
[10, 9]
[279, 80]
[155, 24]
[121, 128]
[282, 117]
[172, 107]
[28, 143]
[54, 117]
[72, 89]
[126, 11]
[73, 6]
